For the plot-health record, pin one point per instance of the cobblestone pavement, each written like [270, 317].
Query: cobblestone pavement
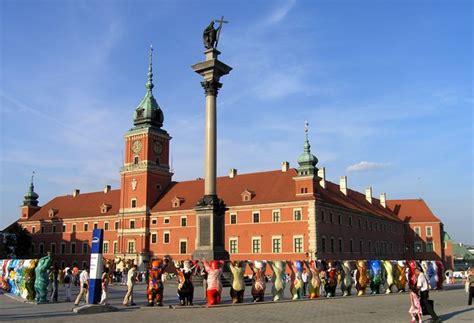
[450, 304]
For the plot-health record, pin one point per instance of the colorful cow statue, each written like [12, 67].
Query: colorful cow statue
[237, 288]
[389, 270]
[11, 278]
[214, 283]
[424, 266]
[258, 280]
[401, 280]
[412, 264]
[375, 273]
[315, 281]
[30, 280]
[346, 278]
[361, 277]
[440, 273]
[41, 278]
[155, 286]
[296, 279]
[185, 270]
[279, 282]
[331, 280]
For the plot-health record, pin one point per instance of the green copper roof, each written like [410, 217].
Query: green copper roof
[148, 112]
[31, 198]
[307, 161]
[447, 237]
[461, 252]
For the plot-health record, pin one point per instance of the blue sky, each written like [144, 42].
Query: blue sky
[385, 85]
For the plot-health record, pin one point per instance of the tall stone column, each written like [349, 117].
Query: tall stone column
[210, 210]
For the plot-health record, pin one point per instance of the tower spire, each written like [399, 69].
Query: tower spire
[148, 113]
[149, 83]
[307, 161]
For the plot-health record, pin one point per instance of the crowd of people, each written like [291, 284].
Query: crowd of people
[310, 279]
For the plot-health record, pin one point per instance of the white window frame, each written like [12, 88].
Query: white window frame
[154, 221]
[84, 227]
[281, 244]
[302, 243]
[185, 217]
[134, 199]
[301, 214]
[166, 220]
[108, 226]
[151, 237]
[179, 246]
[134, 246]
[105, 243]
[431, 231]
[259, 219]
[432, 245]
[169, 237]
[230, 218]
[115, 249]
[130, 223]
[278, 211]
[95, 225]
[260, 244]
[236, 239]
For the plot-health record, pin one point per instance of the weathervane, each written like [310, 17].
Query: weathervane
[211, 35]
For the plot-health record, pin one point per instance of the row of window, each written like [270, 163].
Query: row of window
[276, 216]
[62, 248]
[369, 225]
[379, 247]
[418, 246]
[277, 246]
[131, 225]
[428, 231]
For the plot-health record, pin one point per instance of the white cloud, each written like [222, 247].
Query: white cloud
[279, 13]
[366, 166]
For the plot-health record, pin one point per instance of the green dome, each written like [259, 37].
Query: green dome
[30, 197]
[307, 161]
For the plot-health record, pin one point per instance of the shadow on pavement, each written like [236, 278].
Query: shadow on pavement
[445, 317]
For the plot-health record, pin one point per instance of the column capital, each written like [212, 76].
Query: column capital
[211, 87]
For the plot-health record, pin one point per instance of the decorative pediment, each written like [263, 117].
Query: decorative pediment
[177, 201]
[52, 212]
[104, 208]
[247, 195]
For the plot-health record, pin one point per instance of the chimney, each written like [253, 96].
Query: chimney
[107, 188]
[322, 175]
[383, 200]
[232, 173]
[285, 166]
[76, 192]
[368, 194]
[343, 185]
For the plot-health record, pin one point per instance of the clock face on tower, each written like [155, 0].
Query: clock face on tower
[157, 147]
[136, 146]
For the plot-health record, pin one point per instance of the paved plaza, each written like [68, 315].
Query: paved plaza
[450, 304]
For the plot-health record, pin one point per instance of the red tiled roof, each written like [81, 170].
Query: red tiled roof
[83, 205]
[413, 210]
[268, 187]
[355, 201]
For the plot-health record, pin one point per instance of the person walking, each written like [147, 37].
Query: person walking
[304, 278]
[131, 280]
[75, 274]
[415, 306]
[67, 284]
[84, 285]
[470, 281]
[422, 286]
[105, 286]
[54, 277]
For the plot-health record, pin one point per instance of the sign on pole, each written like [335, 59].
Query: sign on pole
[95, 286]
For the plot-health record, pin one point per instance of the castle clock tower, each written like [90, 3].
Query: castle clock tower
[145, 173]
